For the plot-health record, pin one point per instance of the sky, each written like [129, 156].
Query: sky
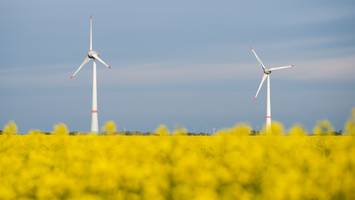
[183, 63]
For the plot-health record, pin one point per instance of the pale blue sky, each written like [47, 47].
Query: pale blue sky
[182, 63]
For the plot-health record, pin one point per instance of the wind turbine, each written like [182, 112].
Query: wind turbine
[94, 56]
[266, 76]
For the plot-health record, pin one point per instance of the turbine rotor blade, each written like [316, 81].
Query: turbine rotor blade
[101, 61]
[261, 84]
[86, 60]
[90, 33]
[283, 67]
[259, 60]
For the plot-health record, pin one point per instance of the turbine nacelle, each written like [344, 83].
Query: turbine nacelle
[92, 54]
[267, 71]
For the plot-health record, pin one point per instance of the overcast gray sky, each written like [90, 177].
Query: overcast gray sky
[182, 63]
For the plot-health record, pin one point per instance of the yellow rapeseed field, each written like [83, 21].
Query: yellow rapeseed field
[227, 165]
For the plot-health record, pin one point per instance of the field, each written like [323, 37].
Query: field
[228, 165]
[177, 167]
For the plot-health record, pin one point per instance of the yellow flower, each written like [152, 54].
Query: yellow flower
[297, 130]
[109, 128]
[349, 128]
[60, 129]
[323, 127]
[10, 128]
[275, 129]
[162, 130]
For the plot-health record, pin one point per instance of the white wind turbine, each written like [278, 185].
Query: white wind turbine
[266, 75]
[94, 56]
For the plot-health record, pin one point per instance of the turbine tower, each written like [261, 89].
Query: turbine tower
[94, 56]
[266, 76]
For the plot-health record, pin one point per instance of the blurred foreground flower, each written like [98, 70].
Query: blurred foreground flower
[109, 128]
[60, 129]
[10, 128]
